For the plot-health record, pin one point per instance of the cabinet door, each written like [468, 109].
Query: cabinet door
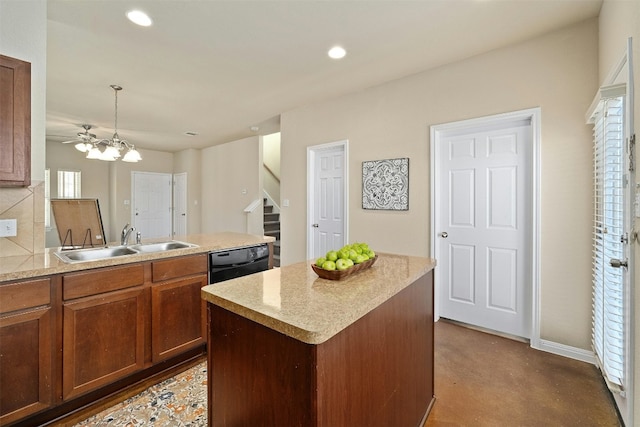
[178, 316]
[25, 363]
[15, 122]
[26, 348]
[103, 339]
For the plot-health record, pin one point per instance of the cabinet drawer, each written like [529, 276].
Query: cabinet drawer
[27, 294]
[178, 267]
[92, 282]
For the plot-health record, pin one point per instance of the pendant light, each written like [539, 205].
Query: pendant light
[115, 145]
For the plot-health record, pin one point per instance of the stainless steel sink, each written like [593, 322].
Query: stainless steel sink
[162, 246]
[79, 255]
[82, 255]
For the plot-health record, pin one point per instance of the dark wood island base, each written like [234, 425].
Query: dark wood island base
[378, 371]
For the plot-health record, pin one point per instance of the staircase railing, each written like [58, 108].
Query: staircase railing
[277, 178]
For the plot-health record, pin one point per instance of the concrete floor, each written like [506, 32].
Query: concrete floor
[486, 380]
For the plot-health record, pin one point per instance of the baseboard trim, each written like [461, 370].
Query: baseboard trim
[565, 350]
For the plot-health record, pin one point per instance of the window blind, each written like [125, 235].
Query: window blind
[608, 230]
[69, 184]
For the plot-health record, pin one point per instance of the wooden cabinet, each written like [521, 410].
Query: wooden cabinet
[26, 349]
[15, 122]
[104, 315]
[178, 312]
[378, 371]
[69, 339]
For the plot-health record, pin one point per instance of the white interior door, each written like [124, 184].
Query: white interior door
[327, 212]
[151, 204]
[180, 204]
[484, 233]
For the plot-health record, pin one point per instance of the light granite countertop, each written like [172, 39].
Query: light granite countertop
[293, 300]
[23, 267]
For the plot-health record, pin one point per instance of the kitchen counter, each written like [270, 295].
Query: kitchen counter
[293, 300]
[23, 267]
[289, 348]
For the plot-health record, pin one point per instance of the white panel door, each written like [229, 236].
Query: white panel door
[180, 204]
[151, 204]
[328, 212]
[484, 239]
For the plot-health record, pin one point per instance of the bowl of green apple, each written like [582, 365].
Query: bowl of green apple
[342, 263]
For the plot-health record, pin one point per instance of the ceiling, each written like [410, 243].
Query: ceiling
[219, 68]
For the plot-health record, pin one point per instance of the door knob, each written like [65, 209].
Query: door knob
[613, 262]
[315, 225]
[444, 234]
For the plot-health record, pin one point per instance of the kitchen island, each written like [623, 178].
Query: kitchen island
[287, 348]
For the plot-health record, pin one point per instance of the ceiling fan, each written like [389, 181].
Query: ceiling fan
[84, 140]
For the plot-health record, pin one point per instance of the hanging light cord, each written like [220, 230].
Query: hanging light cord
[116, 137]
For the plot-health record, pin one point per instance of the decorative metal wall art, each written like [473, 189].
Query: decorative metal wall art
[385, 184]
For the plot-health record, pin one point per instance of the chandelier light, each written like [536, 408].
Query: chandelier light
[115, 145]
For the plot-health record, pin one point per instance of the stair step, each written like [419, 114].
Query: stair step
[272, 226]
[273, 233]
[267, 209]
[272, 216]
[276, 248]
[276, 260]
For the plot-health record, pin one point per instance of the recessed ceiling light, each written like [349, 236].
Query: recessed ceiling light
[337, 52]
[139, 17]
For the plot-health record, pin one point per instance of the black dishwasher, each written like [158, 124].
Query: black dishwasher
[225, 265]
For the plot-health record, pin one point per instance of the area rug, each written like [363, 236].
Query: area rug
[178, 401]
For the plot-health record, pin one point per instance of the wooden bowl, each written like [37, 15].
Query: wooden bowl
[343, 274]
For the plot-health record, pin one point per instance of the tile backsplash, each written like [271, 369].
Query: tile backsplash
[26, 205]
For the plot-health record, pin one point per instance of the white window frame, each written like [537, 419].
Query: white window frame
[47, 199]
[69, 184]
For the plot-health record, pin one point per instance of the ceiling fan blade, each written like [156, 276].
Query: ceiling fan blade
[63, 139]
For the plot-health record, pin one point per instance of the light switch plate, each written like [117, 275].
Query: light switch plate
[8, 227]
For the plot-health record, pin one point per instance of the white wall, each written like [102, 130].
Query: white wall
[557, 72]
[231, 180]
[189, 161]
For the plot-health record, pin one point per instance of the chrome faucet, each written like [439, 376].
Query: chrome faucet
[126, 232]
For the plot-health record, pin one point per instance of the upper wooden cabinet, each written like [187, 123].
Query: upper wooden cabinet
[15, 122]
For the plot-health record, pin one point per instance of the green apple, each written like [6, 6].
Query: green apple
[353, 255]
[332, 256]
[360, 258]
[320, 261]
[371, 254]
[329, 265]
[349, 262]
[343, 254]
[342, 264]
